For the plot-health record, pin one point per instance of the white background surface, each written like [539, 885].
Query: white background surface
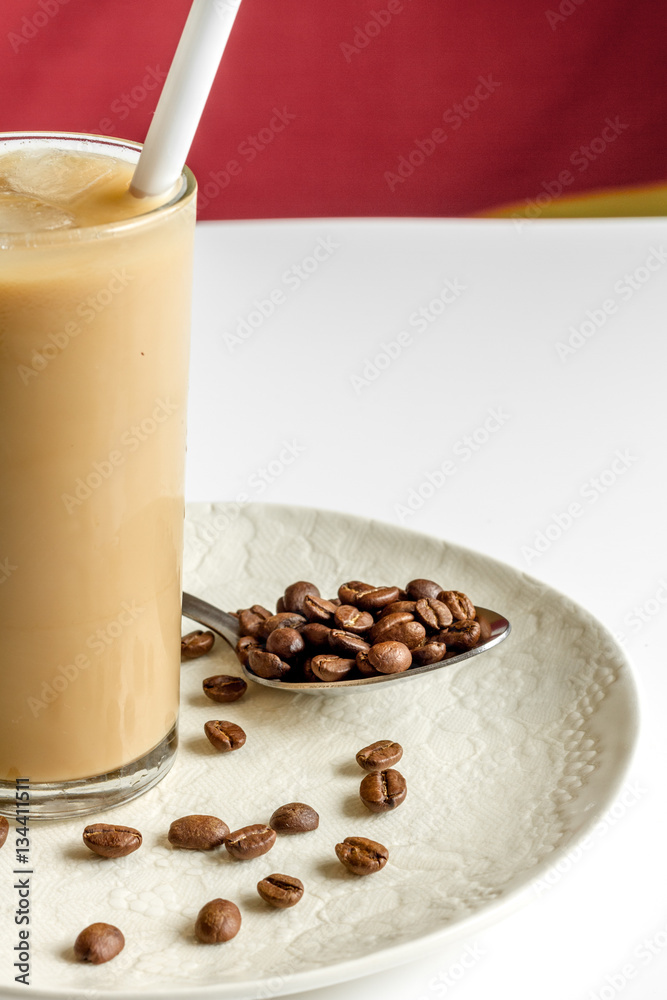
[277, 417]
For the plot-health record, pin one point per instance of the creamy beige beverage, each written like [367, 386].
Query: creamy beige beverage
[94, 321]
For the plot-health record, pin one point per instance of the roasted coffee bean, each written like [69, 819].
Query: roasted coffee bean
[4, 829]
[296, 594]
[461, 635]
[197, 833]
[363, 666]
[225, 736]
[219, 920]
[347, 643]
[259, 609]
[244, 646]
[331, 668]
[381, 629]
[336, 601]
[98, 943]
[378, 598]
[286, 619]
[397, 607]
[280, 606]
[294, 817]
[459, 604]
[433, 614]
[307, 670]
[317, 609]
[111, 841]
[349, 592]
[390, 657]
[195, 644]
[250, 841]
[430, 652]
[422, 588]
[250, 623]
[281, 891]
[285, 643]
[380, 755]
[411, 634]
[351, 619]
[383, 790]
[251, 619]
[267, 665]
[362, 856]
[224, 688]
[315, 635]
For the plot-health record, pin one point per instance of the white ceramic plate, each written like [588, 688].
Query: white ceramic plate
[509, 758]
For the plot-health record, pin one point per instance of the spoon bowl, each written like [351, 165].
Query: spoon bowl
[494, 628]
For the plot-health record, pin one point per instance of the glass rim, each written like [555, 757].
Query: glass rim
[77, 234]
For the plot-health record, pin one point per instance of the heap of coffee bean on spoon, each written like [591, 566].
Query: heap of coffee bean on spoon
[366, 634]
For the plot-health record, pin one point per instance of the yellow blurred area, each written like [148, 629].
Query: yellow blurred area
[619, 203]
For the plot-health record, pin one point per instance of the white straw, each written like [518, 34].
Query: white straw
[184, 95]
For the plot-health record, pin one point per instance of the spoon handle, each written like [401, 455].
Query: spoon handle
[206, 614]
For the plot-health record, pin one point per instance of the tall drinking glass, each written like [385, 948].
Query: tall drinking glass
[94, 346]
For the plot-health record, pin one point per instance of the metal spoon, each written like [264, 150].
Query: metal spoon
[494, 627]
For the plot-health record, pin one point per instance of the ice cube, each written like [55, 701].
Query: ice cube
[20, 213]
[59, 176]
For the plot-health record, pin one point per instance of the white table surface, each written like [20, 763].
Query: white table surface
[583, 428]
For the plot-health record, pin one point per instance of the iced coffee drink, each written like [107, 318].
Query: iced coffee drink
[94, 321]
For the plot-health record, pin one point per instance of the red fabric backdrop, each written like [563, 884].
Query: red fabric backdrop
[364, 107]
